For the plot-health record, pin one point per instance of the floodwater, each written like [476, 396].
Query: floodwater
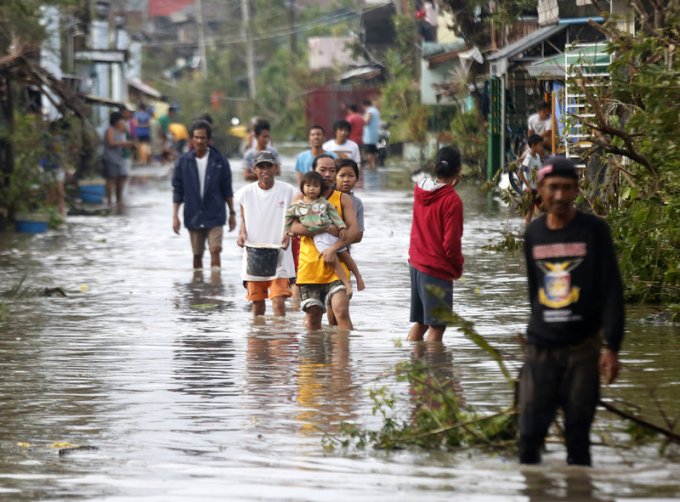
[183, 396]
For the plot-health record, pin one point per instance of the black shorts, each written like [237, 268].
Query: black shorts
[431, 298]
[370, 148]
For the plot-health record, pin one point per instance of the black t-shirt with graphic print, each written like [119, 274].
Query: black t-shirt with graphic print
[575, 286]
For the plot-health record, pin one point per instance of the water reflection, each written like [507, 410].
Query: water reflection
[324, 381]
[199, 298]
[204, 364]
[573, 484]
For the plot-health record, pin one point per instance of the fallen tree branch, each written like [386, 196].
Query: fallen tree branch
[672, 436]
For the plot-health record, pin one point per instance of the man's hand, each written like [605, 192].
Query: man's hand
[242, 238]
[329, 257]
[175, 224]
[232, 221]
[285, 241]
[609, 365]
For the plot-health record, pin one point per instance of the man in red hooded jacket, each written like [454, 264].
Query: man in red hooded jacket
[435, 255]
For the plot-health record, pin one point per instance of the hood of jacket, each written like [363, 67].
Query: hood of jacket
[428, 191]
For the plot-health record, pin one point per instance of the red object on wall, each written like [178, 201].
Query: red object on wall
[324, 105]
[163, 8]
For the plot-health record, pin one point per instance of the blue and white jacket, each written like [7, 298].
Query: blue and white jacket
[207, 211]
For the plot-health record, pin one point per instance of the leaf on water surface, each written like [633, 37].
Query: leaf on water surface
[68, 451]
[62, 444]
[204, 306]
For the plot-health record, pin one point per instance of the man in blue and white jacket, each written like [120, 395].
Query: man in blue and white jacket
[202, 182]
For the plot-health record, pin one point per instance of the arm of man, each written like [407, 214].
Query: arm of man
[242, 233]
[177, 196]
[531, 277]
[613, 313]
[228, 193]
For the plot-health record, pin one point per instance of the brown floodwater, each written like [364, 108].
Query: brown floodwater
[180, 395]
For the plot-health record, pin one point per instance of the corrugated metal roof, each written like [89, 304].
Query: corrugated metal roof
[527, 42]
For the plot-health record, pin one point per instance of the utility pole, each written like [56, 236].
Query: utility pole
[291, 22]
[201, 38]
[250, 50]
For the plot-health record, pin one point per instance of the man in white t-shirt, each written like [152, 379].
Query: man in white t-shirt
[341, 145]
[263, 209]
[540, 123]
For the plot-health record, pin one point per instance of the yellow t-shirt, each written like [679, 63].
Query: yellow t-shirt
[178, 131]
[311, 267]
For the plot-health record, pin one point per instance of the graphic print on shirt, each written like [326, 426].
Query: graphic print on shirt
[557, 291]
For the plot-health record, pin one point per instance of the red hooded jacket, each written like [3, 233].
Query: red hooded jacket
[436, 231]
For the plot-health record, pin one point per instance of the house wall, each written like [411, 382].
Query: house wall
[431, 76]
[324, 105]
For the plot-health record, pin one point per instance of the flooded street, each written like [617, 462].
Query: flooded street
[184, 397]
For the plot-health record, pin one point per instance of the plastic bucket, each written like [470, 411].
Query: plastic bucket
[261, 259]
[92, 193]
[28, 223]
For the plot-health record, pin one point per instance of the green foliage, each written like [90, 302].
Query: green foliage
[400, 96]
[438, 418]
[20, 19]
[510, 243]
[23, 189]
[637, 131]
[470, 135]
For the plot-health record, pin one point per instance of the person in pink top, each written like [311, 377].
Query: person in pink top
[435, 254]
[356, 120]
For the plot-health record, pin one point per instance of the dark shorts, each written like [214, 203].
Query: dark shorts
[370, 148]
[430, 297]
[114, 170]
[317, 295]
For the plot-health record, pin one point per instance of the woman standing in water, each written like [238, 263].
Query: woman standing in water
[114, 168]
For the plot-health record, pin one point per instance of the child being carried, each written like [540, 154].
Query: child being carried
[317, 214]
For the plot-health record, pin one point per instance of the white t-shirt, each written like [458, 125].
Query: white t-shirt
[531, 164]
[348, 150]
[539, 126]
[202, 164]
[264, 214]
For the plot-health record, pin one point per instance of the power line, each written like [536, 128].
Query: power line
[334, 19]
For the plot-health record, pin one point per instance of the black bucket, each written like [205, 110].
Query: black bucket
[262, 259]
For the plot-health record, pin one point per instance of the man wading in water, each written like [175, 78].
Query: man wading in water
[576, 300]
[263, 209]
[202, 182]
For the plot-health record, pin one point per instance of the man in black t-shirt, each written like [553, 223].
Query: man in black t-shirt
[576, 300]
